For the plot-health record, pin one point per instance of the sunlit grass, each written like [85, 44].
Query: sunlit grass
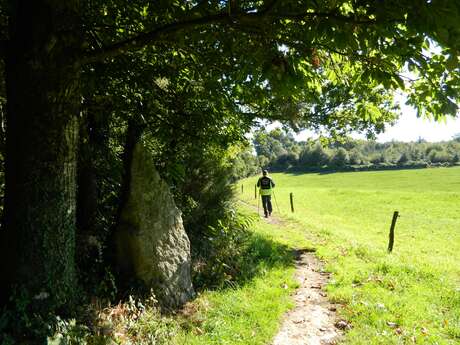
[250, 313]
[411, 295]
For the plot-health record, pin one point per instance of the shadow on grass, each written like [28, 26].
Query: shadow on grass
[262, 252]
[257, 255]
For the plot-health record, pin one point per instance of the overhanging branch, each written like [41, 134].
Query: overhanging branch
[139, 41]
[240, 21]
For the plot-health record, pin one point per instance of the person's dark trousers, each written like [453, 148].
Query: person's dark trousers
[267, 204]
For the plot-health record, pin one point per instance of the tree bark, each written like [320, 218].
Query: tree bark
[43, 100]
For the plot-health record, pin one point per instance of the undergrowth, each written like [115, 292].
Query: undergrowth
[245, 289]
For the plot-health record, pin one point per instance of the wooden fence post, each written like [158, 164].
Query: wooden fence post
[291, 196]
[255, 191]
[242, 189]
[392, 231]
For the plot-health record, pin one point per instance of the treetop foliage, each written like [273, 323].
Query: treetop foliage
[332, 64]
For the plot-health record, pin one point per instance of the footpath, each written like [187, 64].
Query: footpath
[313, 320]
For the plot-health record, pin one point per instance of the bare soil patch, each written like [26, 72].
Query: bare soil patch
[313, 319]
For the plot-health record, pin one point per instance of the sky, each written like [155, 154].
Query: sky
[410, 128]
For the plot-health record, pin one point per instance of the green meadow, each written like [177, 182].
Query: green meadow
[409, 296]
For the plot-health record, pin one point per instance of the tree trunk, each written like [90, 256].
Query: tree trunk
[43, 100]
[133, 135]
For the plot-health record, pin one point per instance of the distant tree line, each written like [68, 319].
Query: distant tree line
[278, 150]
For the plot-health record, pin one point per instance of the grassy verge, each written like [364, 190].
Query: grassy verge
[248, 311]
[410, 296]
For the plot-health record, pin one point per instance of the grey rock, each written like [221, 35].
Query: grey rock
[151, 242]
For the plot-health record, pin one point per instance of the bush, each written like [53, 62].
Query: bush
[340, 158]
[286, 160]
[403, 159]
[356, 158]
[243, 165]
[314, 156]
[439, 157]
[217, 235]
[219, 261]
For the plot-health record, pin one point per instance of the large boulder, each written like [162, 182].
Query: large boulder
[151, 242]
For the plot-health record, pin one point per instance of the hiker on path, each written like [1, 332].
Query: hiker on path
[266, 185]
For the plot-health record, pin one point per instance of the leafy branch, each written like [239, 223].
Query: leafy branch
[242, 21]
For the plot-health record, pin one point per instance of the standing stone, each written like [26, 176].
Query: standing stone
[151, 242]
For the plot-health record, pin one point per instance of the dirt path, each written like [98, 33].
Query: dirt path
[313, 319]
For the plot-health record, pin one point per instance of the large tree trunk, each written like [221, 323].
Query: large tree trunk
[43, 100]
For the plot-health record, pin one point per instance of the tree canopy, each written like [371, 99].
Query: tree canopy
[334, 63]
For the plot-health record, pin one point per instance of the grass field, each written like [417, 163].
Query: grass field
[409, 296]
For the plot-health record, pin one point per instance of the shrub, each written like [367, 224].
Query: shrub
[403, 159]
[286, 160]
[356, 157]
[217, 235]
[439, 157]
[220, 257]
[340, 158]
[314, 156]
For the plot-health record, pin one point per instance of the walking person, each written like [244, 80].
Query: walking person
[266, 184]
